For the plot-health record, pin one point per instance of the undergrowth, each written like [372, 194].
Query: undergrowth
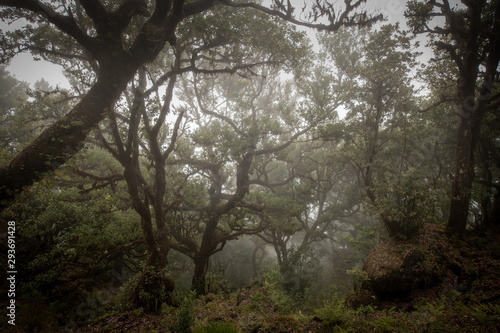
[229, 314]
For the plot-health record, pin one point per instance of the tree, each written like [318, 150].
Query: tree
[139, 137]
[241, 124]
[310, 210]
[470, 37]
[13, 94]
[115, 39]
[307, 191]
[486, 189]
[78, 238]
[381, 130]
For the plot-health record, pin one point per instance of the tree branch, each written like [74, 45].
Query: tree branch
[65, 23]
[320, 12]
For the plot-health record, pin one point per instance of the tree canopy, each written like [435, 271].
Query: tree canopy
[200, 136]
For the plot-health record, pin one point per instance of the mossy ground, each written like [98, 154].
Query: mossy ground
[221, 313]
[464, 296]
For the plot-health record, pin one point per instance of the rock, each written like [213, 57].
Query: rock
[430, 266]
[395, 268]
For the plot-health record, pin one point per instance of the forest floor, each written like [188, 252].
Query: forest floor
[259, 313]
[466, 299]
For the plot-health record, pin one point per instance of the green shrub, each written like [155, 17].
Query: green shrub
[185, 318]
[120, 301]
[217, 328]
[383, 324]
[277, 294]
[483, 313]
[435, 308]
[366, 309]
[334, 313]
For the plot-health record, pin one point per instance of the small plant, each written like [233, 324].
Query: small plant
[334, 313]
[383, 324]
[257, 297]
[185, 317]
[359, 277]
[434, 308]
[485, 313]
[277, 294]
[167, 309]
[217, 328]
[366, 309]
[120, 301]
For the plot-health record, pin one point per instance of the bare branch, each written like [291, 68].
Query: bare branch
[436, 104]
[319, 11]
[215, 114]
[173, 139]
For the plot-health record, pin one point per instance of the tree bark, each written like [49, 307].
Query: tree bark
[154, 287]
[117, 66]
[63, 139]
[472, 110]
[462, 181]
[201, 259]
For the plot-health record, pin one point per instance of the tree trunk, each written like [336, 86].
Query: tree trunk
[201, 260]
[65, 137]
[472, 109]
[254, 260]
[469, 129]
[154, 287]
[199, 283]
[493, 218]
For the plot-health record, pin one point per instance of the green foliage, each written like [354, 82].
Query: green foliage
[383, 324]
[35, 313]
[484, 313]
[382, 136]
[185, 317]
[417, 14]
[404, 204]
[66, 233]
[334, 313]
[366, 309]
[359, 277]
[276, 292]
[121, 299]
[216, 283]
[300, 271]
[13, 131]
[154, 289]
[237, 32]
[435, 308]
[216, 328]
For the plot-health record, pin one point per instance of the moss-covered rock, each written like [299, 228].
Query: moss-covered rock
[396, 268]
[430, 265]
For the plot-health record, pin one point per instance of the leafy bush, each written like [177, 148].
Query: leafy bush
[274, 287]
[217, 328]
[483, 313]
[403, 204]
[366, 309]
[185, 318]
[334, 313]
[383, 324]
[120, 301]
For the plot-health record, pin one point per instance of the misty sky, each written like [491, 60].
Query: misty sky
[24, 68]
